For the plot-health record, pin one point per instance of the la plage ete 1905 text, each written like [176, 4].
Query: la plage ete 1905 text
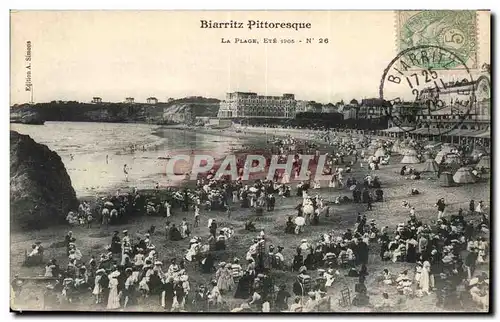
[274, 41]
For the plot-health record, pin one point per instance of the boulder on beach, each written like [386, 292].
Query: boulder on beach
[40, 188]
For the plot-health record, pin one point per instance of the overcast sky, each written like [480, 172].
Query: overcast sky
[78, 55]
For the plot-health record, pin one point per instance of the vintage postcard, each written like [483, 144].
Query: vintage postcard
[250, 161]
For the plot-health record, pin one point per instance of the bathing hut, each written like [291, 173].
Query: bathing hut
[446, 179]
[445, 149]
[430, 165]
[478, 152]
[464, 175]
[484, 162]
[410, 157]
[452, 158]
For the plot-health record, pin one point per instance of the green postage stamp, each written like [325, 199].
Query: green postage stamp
[453, 30]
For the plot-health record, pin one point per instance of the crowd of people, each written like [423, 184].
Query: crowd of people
[444, 254]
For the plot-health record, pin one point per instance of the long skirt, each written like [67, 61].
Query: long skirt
[113, 299]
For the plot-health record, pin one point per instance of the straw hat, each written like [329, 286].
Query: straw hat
[114, 274]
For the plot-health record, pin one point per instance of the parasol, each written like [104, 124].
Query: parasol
[300, 221]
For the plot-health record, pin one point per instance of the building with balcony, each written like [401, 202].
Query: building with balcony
[455, 122]
[129, 100]
[251, 105]
[372, 108]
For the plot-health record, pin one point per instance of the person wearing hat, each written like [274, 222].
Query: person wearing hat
[113, 297]
[479, 294]
[173, 267]
[126, 237]
[296, 306]
[270, 256]
[282, 297]
[425, 278]
[225, 281]
[470, 261]
[116, 245]
[236, 270]
[68, 290]
[312, 303]
[279, 259]
[200, 301]
[214, 296]
[97, 290]
[298, 260]
[256, 299]
[180, 296]
[167, 294]
[69, 239]
[129, 287]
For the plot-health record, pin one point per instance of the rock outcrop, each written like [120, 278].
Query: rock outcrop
[40, 188]
[181, 111]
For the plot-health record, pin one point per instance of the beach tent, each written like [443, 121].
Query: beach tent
[478, 151]
[452, 158]
[440, 155]
[410, 157]
[380, 152]
[445, 149]
[430, 165]
[464, 175]
[446, 179]
[484, 162]
[396, 146]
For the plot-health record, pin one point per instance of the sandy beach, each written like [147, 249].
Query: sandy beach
[390, 213]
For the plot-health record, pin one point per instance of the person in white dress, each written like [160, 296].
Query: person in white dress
[479, 207]
[425, 280]
[113, 298]
[167, 208]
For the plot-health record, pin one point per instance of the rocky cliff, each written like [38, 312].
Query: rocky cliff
[178, 111]
[40, 188]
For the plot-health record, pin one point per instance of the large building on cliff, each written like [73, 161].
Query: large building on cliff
[251, 105]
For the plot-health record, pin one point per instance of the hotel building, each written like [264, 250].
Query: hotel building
[251, 105]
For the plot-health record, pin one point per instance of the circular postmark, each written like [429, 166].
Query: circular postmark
[423, 99]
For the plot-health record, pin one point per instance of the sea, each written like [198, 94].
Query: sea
[94, 154]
